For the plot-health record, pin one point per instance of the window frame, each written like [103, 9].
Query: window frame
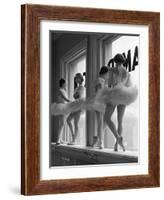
[73, 54]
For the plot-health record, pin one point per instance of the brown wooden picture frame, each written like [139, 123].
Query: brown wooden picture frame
[31, 16]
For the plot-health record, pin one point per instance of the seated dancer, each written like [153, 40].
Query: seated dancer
[79, 93]
[61, 100]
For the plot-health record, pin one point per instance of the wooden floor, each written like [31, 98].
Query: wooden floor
[64, 154]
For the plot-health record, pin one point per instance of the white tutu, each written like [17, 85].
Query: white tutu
[82, 104]
[93, 105]
[118, 95]
[67, 108]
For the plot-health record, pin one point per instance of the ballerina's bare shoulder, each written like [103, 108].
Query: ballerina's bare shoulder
[117, 75]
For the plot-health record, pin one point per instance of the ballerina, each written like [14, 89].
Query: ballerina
[61, 100]
[99, 84]
[78, 94]
[122, 95]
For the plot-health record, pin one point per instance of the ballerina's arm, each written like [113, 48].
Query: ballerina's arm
[63, 96]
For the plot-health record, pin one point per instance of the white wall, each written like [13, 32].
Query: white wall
[10, 99]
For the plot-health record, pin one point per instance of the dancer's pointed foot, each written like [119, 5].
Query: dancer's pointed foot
[120, 142]
[60, 142]
[71, 143]
[73, 140]
[116, 147]
[95, 140]
[101, 146]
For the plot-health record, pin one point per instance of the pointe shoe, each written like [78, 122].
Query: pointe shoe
[100, 145]
[72, 142]
[115, 147]
[95, 140]
[60, 142]
[120, 142]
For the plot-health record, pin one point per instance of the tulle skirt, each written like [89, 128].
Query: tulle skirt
[116, 96]
[66, 108]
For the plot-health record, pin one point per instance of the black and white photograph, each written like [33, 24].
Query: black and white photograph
[90, 99]
[94, 98]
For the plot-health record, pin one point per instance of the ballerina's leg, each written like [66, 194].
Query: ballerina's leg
[120, 115]
[107, 118]
[95, 137]
[76, 124]
[100, 129]
[76, 117]
[69, 122]
[61, 126]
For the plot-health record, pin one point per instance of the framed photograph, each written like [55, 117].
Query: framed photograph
[89, 99]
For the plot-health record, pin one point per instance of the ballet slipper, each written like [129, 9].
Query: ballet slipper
[95, 140]
[101, 146]
[60, 142]
[120, 142]
[115, 147]
[71, 143]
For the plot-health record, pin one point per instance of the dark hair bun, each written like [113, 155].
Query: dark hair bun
[61, 82]
[119, 58]
[79, 75]
[103, 70]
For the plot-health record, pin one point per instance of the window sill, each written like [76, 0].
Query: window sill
[81, 155]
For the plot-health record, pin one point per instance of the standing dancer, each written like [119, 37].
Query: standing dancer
[118, 77]
[61, 100]
[79, 93]
[101, 84]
